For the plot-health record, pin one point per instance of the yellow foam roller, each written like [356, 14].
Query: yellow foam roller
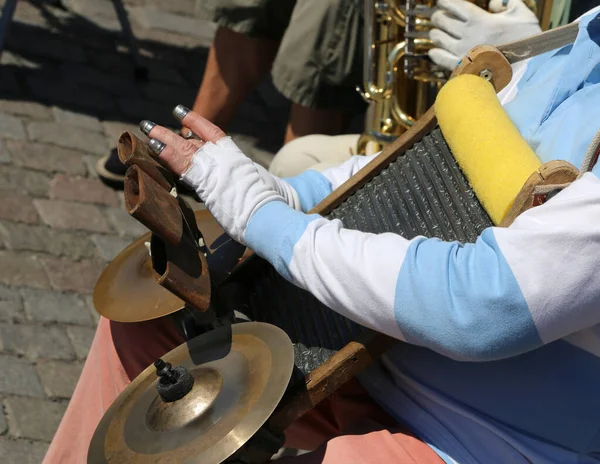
[487, 146]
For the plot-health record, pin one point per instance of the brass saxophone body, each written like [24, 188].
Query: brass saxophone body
[400, 82]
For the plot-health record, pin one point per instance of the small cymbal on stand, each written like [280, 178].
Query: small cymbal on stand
[127, 290]
[239, 373]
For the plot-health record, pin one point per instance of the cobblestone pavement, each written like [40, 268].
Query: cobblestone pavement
[66, 92]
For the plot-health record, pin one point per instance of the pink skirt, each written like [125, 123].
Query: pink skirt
[347, 428]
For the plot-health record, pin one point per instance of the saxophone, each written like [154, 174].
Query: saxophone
[400, 82]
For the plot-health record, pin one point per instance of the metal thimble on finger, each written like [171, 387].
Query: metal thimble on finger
[156, 146]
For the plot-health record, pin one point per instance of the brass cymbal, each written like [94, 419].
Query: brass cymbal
[127, 290]
[240, 375]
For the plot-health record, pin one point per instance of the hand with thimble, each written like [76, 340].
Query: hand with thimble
[230, 184]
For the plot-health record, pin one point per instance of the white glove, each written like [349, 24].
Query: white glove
[281, 187]
[461, 25]
[230, 185]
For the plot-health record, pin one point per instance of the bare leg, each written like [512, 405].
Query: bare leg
[119, 352]
[236, 64]
[307, 121]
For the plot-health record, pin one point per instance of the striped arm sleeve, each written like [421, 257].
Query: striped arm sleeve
[305, 191]
[510, 292]
[301, 192]
[311, 187]
[340, 174]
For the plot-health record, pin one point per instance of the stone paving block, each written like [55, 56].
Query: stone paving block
[47, 158]
[112, 62]
[37, 43]
[152, 18]
[67, 136]
[47, 306]
[19, 61]
[3, 430]
[27, 13]
[90, 304]
[29, 109]
[99, 12]
[76, 276]
[9, 59]
[81, 338]
[11, 127]
[36, 66]
[19, 377]
[169, 93]
[159, 72]
[22, 451]
[20, 237]
[34, 341]
[11, 305]
[70, 244]
[124, 223]
[107, 31]
[204, 9]
[82, 189]
[8, 82]
[59, 378]
[5, 157]
[141, 109]
[122, 202]
[182, 7]
[21, 269]
[57, 92]
[90, 162]
[113, 84]
[103, 8]
[24, 181]
[109, 246]
[33, 418]
[72, 118]
[17, 207]
[70, 215]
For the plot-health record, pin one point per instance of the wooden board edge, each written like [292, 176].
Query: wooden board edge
[551, 173]
[329, 376]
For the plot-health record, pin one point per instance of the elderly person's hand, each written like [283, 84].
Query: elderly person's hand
[230, 184]
[461, 25]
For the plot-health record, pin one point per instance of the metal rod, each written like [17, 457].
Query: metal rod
[140, 71]
[7, 15]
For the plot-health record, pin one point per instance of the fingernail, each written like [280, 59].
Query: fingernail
[156, 146]
[188, 135]
[180, 112]
[146, 126]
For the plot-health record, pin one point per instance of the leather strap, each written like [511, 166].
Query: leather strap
[541, 43]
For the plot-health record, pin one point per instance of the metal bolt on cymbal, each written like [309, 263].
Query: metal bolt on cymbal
[165, 371]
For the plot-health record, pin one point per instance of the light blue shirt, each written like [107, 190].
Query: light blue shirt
[500, 353]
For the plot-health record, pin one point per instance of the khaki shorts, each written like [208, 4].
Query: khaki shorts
[317, 152]
[319, 61]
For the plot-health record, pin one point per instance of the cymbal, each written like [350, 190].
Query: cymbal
[127, 290]
[240, 374]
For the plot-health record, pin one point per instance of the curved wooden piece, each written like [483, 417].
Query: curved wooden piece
[551, 173]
